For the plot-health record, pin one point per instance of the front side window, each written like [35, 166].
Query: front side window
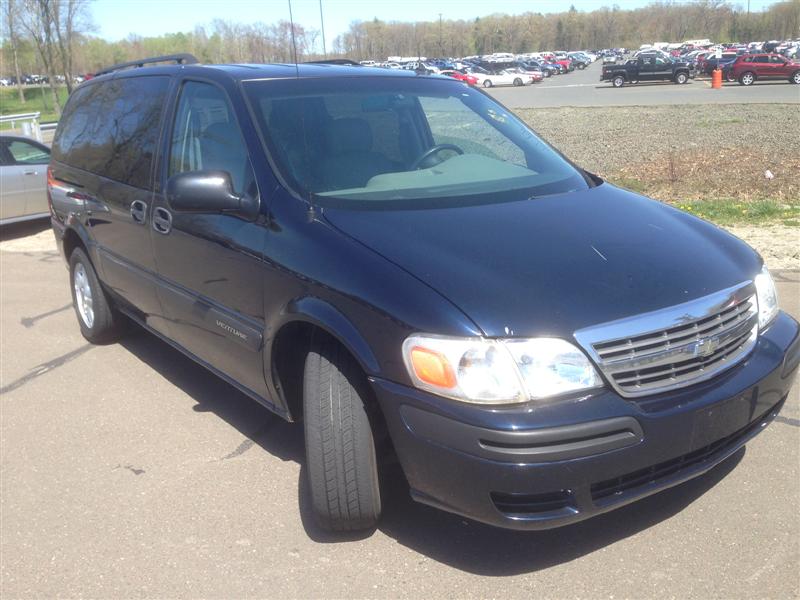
[206, 136]
[402, 140]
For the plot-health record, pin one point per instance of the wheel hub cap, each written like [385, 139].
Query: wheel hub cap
[83, 295]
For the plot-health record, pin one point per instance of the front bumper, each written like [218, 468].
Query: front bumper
[548, 465]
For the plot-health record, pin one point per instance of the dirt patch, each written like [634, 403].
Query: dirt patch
[778, 245]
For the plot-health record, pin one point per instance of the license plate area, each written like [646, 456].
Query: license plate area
[722, 419]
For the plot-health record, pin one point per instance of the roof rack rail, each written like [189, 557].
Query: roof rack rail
[181, 59]
[334, 61]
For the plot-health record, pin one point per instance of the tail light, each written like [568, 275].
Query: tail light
[51, 181]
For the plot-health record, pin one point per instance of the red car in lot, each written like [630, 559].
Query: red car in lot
[750, 67]
[470, 79]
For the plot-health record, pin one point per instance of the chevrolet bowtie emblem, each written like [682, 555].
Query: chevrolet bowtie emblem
[705, 348]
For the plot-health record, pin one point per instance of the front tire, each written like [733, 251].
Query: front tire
[340, 447]
[681, 78]
[487, 83]
[747, 78]
[795, 78]
[517, 82]
[618, 81]
[99, 321]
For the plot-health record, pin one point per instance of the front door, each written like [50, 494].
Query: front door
[646, 68]
[662, 68]
[210, 266]
[761, 66]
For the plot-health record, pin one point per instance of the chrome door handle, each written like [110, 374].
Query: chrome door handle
[162, 220]
[139, 211]
[30, 172]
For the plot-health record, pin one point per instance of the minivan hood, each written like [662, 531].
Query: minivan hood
[553, 265]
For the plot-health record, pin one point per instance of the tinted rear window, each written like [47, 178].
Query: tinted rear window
[111, 128]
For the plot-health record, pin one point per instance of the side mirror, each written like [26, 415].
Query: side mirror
[208, 192]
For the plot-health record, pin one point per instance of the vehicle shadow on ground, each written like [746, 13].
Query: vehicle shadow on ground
[642, 84]
[449, 539]
[24, 229]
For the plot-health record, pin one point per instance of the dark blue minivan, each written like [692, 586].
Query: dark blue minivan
[401, 264]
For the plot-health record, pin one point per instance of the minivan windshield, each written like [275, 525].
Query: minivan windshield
[348, 141]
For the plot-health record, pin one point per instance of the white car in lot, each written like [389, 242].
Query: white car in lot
[505, 77]
[23, 179]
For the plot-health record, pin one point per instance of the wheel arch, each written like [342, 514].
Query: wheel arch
[286, 349]
[75, 235]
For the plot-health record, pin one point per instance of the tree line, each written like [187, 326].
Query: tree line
[55, 38]
[660, 21]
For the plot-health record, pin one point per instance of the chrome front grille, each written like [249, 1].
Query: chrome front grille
[677, 346]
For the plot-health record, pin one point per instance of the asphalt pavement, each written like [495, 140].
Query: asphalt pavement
[584, 88]
[129, 471]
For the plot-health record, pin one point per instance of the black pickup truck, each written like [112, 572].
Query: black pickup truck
[647, 67]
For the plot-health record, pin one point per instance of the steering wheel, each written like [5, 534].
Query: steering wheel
[424, 159]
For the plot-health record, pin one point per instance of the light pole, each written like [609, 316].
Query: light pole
[441, 52]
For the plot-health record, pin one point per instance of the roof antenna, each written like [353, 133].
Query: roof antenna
[294, 42]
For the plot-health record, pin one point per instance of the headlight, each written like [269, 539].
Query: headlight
[767, 298]
[497, 371]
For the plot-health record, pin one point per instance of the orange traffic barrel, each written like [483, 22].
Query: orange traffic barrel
[716, 79]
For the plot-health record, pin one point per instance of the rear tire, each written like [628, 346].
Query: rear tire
[517, 82]
[618, 81]
[340, 447]
[747, 78]
[99, 321]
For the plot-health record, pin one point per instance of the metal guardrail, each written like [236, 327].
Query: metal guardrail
[28, 121]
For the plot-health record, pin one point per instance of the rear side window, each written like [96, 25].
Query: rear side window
[23, 153]
[111, 129]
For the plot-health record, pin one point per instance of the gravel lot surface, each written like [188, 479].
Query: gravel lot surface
[605, 140]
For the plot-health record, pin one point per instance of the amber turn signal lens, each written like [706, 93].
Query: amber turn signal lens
[432, 367]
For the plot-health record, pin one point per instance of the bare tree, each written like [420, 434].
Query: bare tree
[11, 15]
[37, 20]
[70, 18]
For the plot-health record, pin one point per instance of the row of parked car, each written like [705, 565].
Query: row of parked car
[737, 63]
[40, 79]
[496, 69]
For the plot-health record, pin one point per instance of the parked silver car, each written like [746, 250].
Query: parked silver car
[23, 179]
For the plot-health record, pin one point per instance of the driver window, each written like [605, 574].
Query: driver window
[451, 122]
[206, 136]
[660, 61]
[776, 59]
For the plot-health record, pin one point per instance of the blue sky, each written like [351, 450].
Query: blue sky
[116, 19]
